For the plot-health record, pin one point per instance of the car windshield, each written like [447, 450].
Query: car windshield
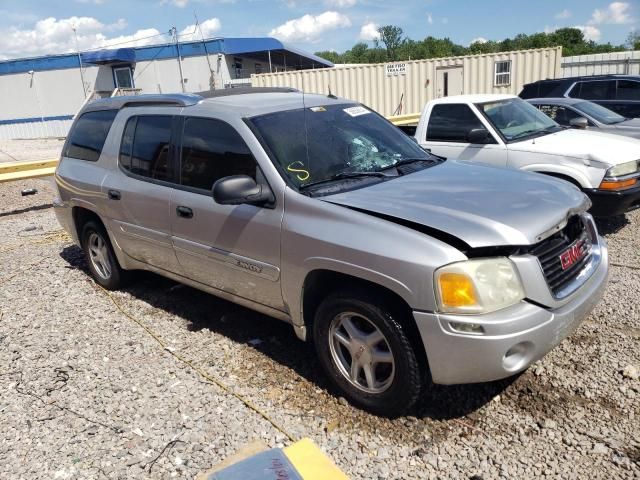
[334, 142]
[517, 119]
[600, 113]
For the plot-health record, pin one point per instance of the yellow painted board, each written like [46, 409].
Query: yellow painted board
[9, 167]
[409, 119]
[22, 175]
[311, 463]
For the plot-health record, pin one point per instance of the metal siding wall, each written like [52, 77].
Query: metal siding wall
[602, 64]
[368, 83]
[53, 128]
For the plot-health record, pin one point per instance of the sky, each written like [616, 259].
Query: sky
[32, 28]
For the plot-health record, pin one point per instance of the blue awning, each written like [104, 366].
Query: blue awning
[101, 57]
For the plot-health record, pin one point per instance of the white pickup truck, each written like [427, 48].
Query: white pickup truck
[505, 131]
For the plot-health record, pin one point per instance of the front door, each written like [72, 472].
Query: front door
[447, 135]
[449, 82]
[233, 248]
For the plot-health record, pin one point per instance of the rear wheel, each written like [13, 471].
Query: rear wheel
[102, 262]
[365, 352]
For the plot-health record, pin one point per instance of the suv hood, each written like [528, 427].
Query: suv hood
[481, 205]
[589, 145]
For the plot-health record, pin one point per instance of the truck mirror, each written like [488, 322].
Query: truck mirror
[579, 122]
[239, 189]
[478, 135]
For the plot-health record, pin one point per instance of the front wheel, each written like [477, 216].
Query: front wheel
[365, 352]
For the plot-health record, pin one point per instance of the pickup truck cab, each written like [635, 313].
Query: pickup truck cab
[397, 265]
[505, 131]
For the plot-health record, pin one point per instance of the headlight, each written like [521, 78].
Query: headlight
[626, 168]
[478, 286]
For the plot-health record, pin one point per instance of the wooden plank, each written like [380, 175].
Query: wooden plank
[11, 171]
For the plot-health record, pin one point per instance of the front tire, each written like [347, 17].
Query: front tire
[364, 350]
[101, 259]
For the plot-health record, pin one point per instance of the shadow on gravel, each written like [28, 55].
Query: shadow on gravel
[609, 226]
[276, 340]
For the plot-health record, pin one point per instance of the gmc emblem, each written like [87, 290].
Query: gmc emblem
[574, 254]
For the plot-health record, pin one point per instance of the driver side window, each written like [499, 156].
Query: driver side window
[451, 123]
[210, 150]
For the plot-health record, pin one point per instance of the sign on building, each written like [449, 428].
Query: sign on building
[395, 69]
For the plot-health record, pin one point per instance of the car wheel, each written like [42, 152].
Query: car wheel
[102, 262]
[365, 352]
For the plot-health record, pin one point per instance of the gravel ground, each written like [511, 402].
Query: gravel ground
[129, 386]
[35, 149]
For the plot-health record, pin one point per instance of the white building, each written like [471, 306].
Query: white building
[39, 96]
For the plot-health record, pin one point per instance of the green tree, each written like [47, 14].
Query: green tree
[391, 36]
[633, 40]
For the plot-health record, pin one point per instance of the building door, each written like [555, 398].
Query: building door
[449, 81]
[123, 77]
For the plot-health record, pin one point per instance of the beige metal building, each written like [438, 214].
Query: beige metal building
[404, 87]
[624, 63]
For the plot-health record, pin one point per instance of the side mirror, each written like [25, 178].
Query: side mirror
[478, 135]
[579, 122]
[240, 189]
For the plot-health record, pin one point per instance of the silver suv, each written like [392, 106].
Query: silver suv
[401, 267]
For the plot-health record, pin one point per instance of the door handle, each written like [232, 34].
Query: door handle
[114, 195]
[184, 212]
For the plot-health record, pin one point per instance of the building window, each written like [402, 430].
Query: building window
[502, 73]
[258, 68]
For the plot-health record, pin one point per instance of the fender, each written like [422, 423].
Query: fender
[338, 266]
[573, 173]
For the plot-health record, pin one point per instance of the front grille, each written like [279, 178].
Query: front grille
[549, 253]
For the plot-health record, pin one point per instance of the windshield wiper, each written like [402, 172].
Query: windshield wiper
[534, 131]
[344, 175]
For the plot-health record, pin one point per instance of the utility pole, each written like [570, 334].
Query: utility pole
[84, 88]
[175, 33]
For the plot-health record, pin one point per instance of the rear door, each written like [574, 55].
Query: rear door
[233, 248]
[447, 130]
[139, 189]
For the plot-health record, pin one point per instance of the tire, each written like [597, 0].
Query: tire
[361, 323]
[102, 262]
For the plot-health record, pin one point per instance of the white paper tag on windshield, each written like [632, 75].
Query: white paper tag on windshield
[356, 111]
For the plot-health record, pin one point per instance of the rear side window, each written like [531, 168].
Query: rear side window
[628, 90]
[211, 150]
[451, 123]
[595, 90]
[560, 114]
[540, 89]
[89, 134]
[145, 147]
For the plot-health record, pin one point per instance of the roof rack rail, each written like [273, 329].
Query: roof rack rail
[170, 99]
[244, 90]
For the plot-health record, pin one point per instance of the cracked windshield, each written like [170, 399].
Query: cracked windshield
[323, 143]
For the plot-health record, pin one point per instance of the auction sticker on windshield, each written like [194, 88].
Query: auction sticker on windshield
[356, 111]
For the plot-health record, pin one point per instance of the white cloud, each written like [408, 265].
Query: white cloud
[429, 19]
[340, 3]
[208, 27]
[590, 32]
[95, 2]
[55, 36]
[175, 3]
[369, 32]
[563, 14]
[309, 27]
[616, 12]
[479, 40]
